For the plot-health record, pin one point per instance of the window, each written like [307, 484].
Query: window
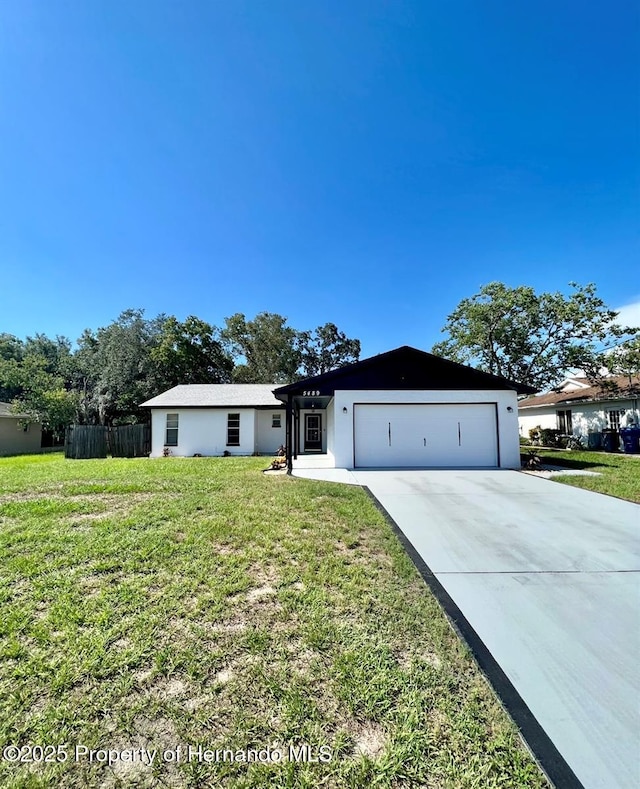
[233, 430]
[171, 438]
[565, 425]
[276, 420]
[614, 417]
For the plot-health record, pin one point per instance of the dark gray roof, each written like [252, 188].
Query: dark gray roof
[401, 369]
[216, 395]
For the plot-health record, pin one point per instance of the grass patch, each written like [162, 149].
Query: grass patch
[157, 603]
[620, 474]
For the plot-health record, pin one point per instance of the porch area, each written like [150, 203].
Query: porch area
[321, 467]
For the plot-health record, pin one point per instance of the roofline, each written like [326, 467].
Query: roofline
[331, 374]
[226, 407]
[578, 401]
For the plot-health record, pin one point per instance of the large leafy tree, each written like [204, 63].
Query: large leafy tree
[265, 349]
[190, 353]
[11, 354]
[41, 395]
[119, 367]
[55, 352]
[529, 337]
[327, 348]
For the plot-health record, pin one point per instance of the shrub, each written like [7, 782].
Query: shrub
[550, 437]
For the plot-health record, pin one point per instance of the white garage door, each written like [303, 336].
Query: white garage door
[425, 436]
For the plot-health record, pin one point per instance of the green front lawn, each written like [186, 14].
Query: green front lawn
[157, 603]
[620, 474]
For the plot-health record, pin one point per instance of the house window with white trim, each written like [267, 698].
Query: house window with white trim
[276, 420]
[171, 433]
[565, 424]
[614, 418]
[233, 430]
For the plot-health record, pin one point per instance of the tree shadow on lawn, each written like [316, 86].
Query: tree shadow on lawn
[563, 462]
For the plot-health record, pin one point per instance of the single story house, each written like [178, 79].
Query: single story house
[578, 408]
[16, 437]
[404, 409]
[214, 419]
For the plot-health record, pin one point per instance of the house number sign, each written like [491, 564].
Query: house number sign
[311, 393]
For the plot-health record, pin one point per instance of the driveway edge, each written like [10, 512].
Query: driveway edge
[545, 753]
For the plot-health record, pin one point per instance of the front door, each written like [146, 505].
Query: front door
[313, 433]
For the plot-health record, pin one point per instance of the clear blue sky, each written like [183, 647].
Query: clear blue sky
[367, 163]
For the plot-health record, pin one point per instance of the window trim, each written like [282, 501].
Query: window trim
[174, 428]
[276, 417]
[616, 422]
[564, 419]
[235, 417]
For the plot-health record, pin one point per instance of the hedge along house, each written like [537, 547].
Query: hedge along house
[404, 409]
[214, 419]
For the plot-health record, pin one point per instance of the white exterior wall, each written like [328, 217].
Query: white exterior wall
[508, 443]
[269, 439]
[536, 417]
[203, 431]
[585, 417]
[331, 417]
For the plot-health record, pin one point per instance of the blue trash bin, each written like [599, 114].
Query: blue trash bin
[631, 440]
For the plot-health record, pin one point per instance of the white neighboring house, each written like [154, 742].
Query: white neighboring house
[578, 408]
[211, 419]
[17, 438]
[400, 409]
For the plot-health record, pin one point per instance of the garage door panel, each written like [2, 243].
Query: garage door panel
[425, 435]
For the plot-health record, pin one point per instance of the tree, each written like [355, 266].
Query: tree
[11, 347]
[42, 395]
[11, 353]
[326, 349]
[119, 367]
[530, 338]
[622, 360]
[190, 353]
[625, 359]
[56, 353]
[265, 349]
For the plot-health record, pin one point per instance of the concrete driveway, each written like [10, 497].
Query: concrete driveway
[547, 576]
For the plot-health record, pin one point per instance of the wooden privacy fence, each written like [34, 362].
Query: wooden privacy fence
[96, 441]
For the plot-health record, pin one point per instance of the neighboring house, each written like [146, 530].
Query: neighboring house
[211, 419]
[17, 438]
[578, 408]
[404, 409]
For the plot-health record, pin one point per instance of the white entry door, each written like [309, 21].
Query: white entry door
[419, 435]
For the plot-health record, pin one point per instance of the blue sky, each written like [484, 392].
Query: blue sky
[366, 163]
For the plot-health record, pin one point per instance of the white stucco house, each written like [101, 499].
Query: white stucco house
[402, 409]
[214, 419]
[16, 436]
[578, 408]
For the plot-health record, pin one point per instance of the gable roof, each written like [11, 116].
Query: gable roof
[616, 388]
[216, 396]
[402, 368]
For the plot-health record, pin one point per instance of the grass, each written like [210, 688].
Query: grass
[619, 474]
[157, 603]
